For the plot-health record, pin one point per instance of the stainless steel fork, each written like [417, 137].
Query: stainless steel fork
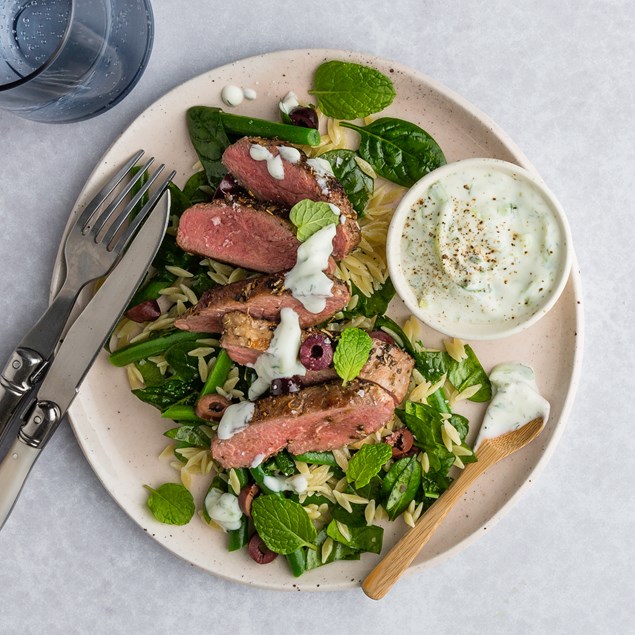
[92, 247]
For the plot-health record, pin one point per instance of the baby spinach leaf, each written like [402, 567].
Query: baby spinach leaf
[425, 423]
[150, 372]
[197, 188]
[339, 552]
[366, 463]
[169, 392]
[311, 216]
[401, 485]
[178, 201]
[469, 372]
[185, 366]
[356, 183]
[171, 503]
[376, 304]
[347, 91]
[432, 364]
[461, 424]
[351, 353]
[209, 139]
[355, 518]
[171, 254]
[191, 436]
[368, 538]
[398, 150]
[282, 524]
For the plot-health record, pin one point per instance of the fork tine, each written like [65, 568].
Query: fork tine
[105, 192]
[118, 223]
[105, 216]
[145, 210]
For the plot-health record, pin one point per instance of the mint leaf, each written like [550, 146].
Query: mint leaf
[469, 372]
[347, 91]
[398, 150]
[366, 463]
[282, 524]
[311, 216]
[367, 538]
[357, 184]
[352, 353]
[171, 503]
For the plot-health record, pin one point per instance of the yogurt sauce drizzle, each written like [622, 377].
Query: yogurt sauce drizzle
[516, 401]
[297, 483]
[307, 281]
[289, 102]
[275, 166]
[235, 418]
[223, 509]
[481, 246]
[233, 95]
[323, 170]
[281, 358]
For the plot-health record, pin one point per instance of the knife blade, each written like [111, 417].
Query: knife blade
[76, 353]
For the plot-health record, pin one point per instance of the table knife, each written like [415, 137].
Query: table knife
[80, 347]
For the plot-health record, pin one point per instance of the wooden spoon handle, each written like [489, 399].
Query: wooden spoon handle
[381, 579]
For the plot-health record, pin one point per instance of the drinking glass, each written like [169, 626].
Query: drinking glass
[68, 60]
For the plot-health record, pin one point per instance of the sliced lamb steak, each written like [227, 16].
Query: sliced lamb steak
[245, 338]
[261, 297]
[318, 418]
[302, 180]
[240, 231]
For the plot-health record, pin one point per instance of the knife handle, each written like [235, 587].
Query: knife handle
[14, 469]
[17, 379]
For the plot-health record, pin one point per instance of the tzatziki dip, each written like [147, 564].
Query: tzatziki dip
[479, 249]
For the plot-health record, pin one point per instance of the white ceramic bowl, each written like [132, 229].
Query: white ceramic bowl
[462, 325]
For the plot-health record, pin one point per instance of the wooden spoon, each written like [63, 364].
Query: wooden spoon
[381, 579]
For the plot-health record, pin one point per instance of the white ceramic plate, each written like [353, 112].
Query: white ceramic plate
[121, 437]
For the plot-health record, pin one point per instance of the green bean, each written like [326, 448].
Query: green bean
[251, 127]
[317, 458]
[242, 474]
[238, 538]
[151, 290]
[141, 350]
[219, 373]
[180, 412]
[297, 562]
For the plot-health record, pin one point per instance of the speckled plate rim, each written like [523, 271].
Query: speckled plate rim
[288, 583]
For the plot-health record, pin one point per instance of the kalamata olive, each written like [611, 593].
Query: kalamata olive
[144, 312]
[304, 116]
[401, 441]
[284, 386]
[259, 551]
[211, 407]
[246, 498]
[382, 336]
[316, 352]
[226, 185]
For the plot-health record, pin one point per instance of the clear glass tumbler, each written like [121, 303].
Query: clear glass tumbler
[68, 60]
